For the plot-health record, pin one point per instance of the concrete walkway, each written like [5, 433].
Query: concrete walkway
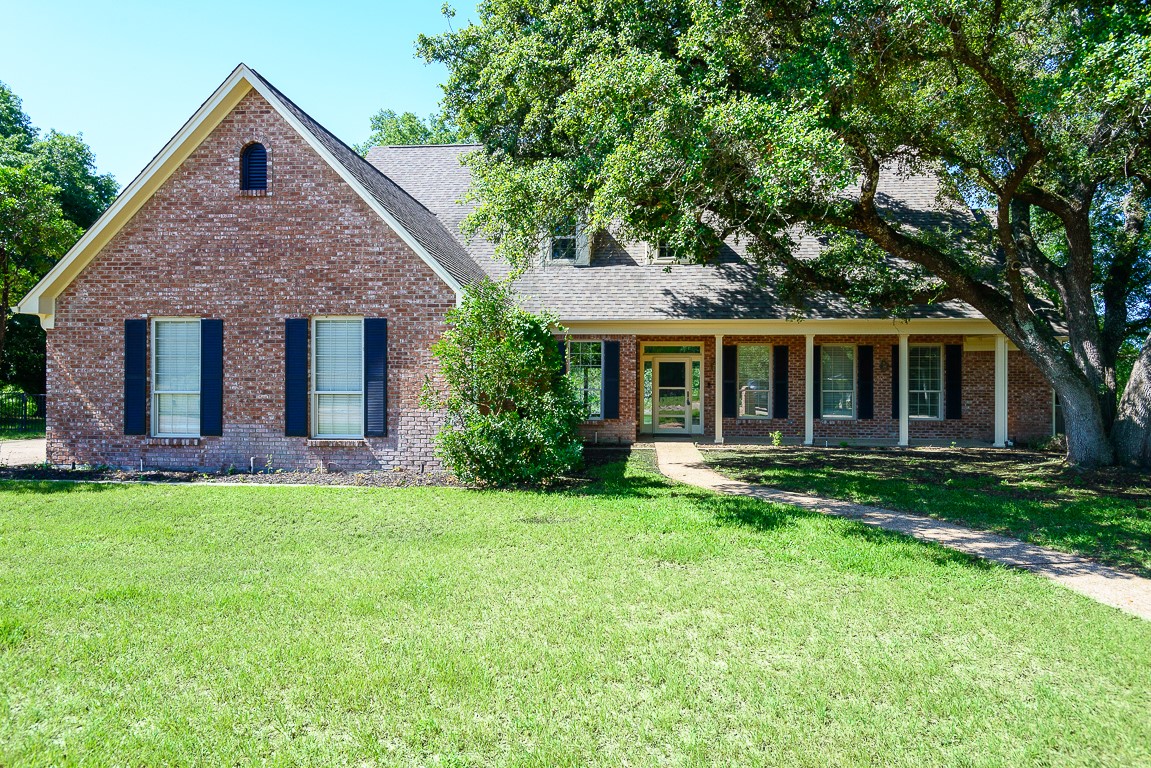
[13, 453]
[682, 461]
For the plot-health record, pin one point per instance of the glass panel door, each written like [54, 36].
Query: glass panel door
[673, 396]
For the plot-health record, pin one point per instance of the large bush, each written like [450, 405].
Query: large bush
[513, 416]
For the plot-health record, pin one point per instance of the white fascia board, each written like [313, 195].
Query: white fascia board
[819, 326]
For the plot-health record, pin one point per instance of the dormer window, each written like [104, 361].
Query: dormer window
[563, 242]
[662, 253]
[254, 168]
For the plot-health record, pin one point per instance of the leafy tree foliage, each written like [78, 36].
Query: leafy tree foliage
[513, 417]
[390, 128]
[50, 193]
[693, 121]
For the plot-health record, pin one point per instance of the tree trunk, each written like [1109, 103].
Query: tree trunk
[5, 297]
[1087, 443]
[1131, 434]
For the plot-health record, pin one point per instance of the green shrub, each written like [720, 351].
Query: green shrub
[512, 415]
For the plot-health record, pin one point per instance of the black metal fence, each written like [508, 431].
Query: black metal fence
[21, 413]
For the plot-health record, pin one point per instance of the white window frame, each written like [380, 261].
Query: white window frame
[854, 382]
[770, 384]
[156, 392]
[574, 237]
[655, 257]
[568, 364]
[939, 410]
[314, 394]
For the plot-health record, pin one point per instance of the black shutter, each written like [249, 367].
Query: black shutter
[211, 377]
[135, 377]
[611, 379]
[296, 377]
[563, 346]
[895, 381]
[866, 386]
[779, 378]
[254, 167]
[730, 396]
[953, 381]
[817, 382]
[375, 377]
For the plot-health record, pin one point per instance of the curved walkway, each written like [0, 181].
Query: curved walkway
[682, 461]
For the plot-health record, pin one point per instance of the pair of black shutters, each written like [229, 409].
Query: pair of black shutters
[730, 387]
[610, 401]
[211, 377]
[865, 385]
[296, 366]
[952, 381]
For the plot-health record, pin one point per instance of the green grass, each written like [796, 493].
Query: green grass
[627, 622]
[31, 434]
[1105, 514]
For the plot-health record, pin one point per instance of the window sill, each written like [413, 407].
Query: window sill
[837, 418]
[255, 193]
[172, 441]
[336, 442]
[755, 418]
[925, 418]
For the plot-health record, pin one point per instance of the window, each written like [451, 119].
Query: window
[254, 167]
[338, 378]
[924, 381]
[754, 380]
[176, 377]
[671, 349]
[563, 245]
[837, 382]
[585, 369]
[662, 253]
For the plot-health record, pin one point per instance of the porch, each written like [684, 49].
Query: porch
[823, 389]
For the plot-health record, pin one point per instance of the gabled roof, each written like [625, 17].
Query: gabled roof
[420, 229]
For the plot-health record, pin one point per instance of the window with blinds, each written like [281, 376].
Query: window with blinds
[924, 381]
[338, 378]
[176, 377]
[837, 382]
[753, 362]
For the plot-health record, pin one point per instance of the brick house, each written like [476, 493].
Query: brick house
[261, 293]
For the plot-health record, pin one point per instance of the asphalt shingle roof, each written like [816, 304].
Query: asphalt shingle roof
[620, 283]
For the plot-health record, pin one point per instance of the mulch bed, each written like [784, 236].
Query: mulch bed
[373, 479]
[368, 479]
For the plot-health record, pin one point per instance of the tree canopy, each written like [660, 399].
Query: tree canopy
[695, 121]
[50, 192]
[390, 128]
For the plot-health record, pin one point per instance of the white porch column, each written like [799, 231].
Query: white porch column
[718, 388]
[809, 397]
[904, 378]
[1000, 391]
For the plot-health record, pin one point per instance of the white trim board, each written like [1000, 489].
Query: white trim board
[41, 300]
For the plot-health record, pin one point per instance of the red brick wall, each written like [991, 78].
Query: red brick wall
[1029, 401]
[309, 247]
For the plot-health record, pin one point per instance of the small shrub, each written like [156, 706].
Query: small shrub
[777, 438]
[513, 417]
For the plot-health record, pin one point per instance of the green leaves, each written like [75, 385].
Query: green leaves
[512, 415]
[390, 128]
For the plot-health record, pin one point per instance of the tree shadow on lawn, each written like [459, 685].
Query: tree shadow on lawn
[42, 487]
[613, 479]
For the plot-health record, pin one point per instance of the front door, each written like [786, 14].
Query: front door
[673, 404]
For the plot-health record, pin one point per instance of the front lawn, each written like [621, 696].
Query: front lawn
[1104, 514]
[625, 622]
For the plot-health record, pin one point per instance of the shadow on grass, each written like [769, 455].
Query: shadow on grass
[41, 487]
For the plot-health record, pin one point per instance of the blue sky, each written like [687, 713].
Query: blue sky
[128, 74]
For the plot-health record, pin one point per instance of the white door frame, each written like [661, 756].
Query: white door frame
[688, 359]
